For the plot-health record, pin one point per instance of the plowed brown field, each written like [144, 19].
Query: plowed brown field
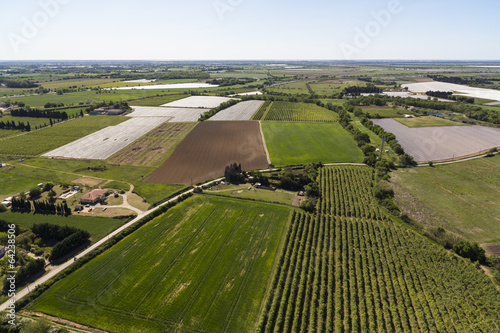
[209, 148]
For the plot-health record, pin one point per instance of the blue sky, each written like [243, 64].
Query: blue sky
[249, 29]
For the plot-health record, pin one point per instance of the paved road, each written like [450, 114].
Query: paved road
[59, 268]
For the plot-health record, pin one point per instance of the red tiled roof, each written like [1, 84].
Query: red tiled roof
[93, 195]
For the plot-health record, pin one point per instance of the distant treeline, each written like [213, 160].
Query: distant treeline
[35, 113]
[358, 90]
[449, 95]
[462, 80]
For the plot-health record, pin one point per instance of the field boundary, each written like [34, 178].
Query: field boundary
[264, 143]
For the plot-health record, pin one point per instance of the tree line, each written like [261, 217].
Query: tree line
[36, 113]
[11, 125]
[23, 205]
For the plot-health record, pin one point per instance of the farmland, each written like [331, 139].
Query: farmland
[203, 266]
[208, 102]
[48, 138]
[178, 115]
[365, 273]
[108, 141]
[459, 89]
[442, 143]
[292, 143]
[209, 148]
[287, 111]
[241, 111]
[461, 197]
[427, 121]
[152, 148]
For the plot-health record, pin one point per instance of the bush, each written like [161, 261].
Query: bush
[383, 190]
[69, 244]
[470, 250]
[35, 192]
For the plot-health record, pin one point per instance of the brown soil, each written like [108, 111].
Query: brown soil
[209, 148]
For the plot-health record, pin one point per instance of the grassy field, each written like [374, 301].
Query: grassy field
[43, 140]
[385, 112]
[242, 191]
[461, 197]
[288, 111]
[291, 143]
[86, 97]
[428, 121]
[203, 266]
[14, 184]
[98, 227]
[376, 141]
[21, 176]
[153, 148]
[134, 84]
[78, 82]
[158, 100]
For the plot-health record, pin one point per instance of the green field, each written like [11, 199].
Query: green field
[292, 143]
[43, 140]
[385, 112]
[14, 184]
[242, 191]
[288, 111]
[201, 267]
[428, 121]
[59, 170]
[78, 82]
[461, 197]
[98, 227]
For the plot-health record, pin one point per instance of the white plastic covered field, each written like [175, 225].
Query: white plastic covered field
[241, 111]
[178, 115]
[108, 141]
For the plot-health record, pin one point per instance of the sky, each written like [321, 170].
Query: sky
[249, 30]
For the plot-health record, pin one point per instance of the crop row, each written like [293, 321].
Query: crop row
[288, 111]
[347, 191]
[340, 274]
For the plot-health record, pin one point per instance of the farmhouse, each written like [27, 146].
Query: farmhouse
[93, 197]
